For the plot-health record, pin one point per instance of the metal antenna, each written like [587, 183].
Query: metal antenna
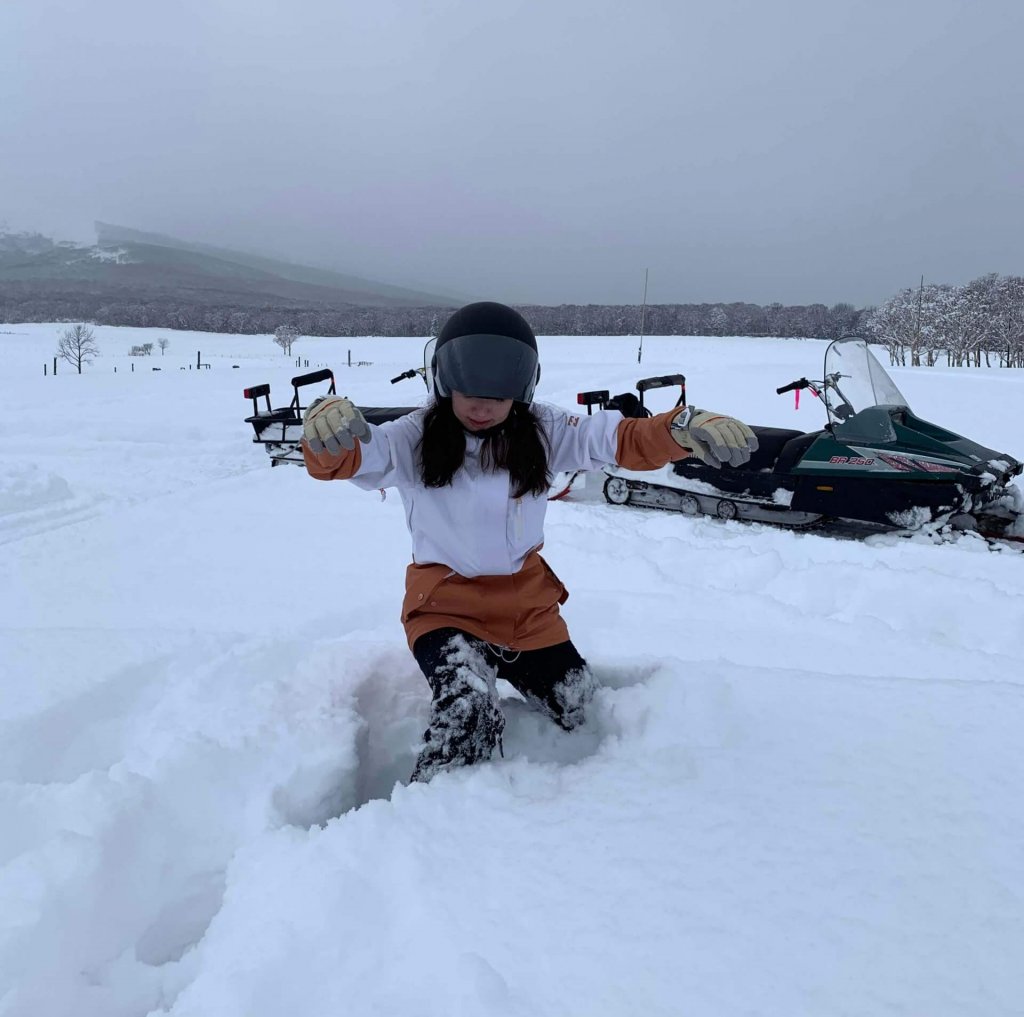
[643, 313]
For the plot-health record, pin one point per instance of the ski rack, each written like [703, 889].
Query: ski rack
[663, 381]
[280, 431]
[598, 398]
[603, 400]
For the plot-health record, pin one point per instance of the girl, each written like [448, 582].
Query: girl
[473, 469]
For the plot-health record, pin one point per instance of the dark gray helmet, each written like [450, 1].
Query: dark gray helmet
[486, 350]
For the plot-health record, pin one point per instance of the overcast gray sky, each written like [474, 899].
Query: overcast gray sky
[548, 151]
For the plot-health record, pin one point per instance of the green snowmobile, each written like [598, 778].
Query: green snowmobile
[874, 463]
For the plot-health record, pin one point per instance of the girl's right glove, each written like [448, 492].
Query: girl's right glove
[333, 423]
[714, 439]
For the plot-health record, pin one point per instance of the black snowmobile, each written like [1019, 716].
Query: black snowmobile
[874, 464]
[280, 431]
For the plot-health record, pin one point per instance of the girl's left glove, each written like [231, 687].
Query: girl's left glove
[715, 439]
[334, 423]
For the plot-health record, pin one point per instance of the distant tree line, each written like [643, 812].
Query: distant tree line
[980, 323]
[811, 321]
[962, 325]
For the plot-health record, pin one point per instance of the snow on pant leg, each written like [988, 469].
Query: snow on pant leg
[556, 678]
[465, 720]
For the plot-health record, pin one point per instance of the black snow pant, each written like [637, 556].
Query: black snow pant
[465, 719]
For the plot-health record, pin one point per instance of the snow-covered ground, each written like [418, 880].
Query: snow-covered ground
[799, 794]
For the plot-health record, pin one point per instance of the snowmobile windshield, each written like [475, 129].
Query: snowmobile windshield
[856, 382]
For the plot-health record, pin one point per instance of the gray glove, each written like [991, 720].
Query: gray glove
[333, 423]
[715, 439]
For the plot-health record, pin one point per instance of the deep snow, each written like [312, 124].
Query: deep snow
[799, 792]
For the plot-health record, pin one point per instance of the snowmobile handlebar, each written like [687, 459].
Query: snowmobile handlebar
[794, 386]
[411, 373]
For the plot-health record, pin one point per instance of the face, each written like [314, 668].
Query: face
[477, 414]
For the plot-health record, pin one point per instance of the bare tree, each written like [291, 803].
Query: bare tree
[284, 336]
[163, 344]
[77, 346]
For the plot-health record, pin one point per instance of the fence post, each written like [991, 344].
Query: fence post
[54, 365]
[45, 367]
[349, 358]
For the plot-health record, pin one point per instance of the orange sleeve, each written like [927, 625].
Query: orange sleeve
[645, 443]
[324, 466]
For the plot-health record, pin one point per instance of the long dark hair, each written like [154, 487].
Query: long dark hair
[518, 445]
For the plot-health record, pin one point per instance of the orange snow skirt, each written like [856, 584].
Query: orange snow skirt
[518, 611]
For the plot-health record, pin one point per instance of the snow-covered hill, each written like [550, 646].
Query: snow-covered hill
[799, 792]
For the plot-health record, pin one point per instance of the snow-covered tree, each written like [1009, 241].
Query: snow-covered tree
[718, 321]
[1008, 320]
[284, 336]
[894, 325]
[965, 322]
[840, 320]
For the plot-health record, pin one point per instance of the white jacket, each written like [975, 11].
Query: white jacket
[474, 525]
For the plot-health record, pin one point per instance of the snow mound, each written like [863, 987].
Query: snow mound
[24, 487]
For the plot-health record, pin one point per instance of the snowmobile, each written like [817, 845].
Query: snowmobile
[280, 431]
[874, 465]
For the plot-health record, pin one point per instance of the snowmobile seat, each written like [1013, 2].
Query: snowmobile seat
[792, 452]
[382, 414]
[284, 414]
[770, 442]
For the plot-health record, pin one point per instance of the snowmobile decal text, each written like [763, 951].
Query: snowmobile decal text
[851, 460]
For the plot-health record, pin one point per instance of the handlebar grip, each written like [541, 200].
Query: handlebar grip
[802, 383]
[405, 374]
[664, 381]
[326, 374]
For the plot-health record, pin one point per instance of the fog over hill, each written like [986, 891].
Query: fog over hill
[126, 263]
